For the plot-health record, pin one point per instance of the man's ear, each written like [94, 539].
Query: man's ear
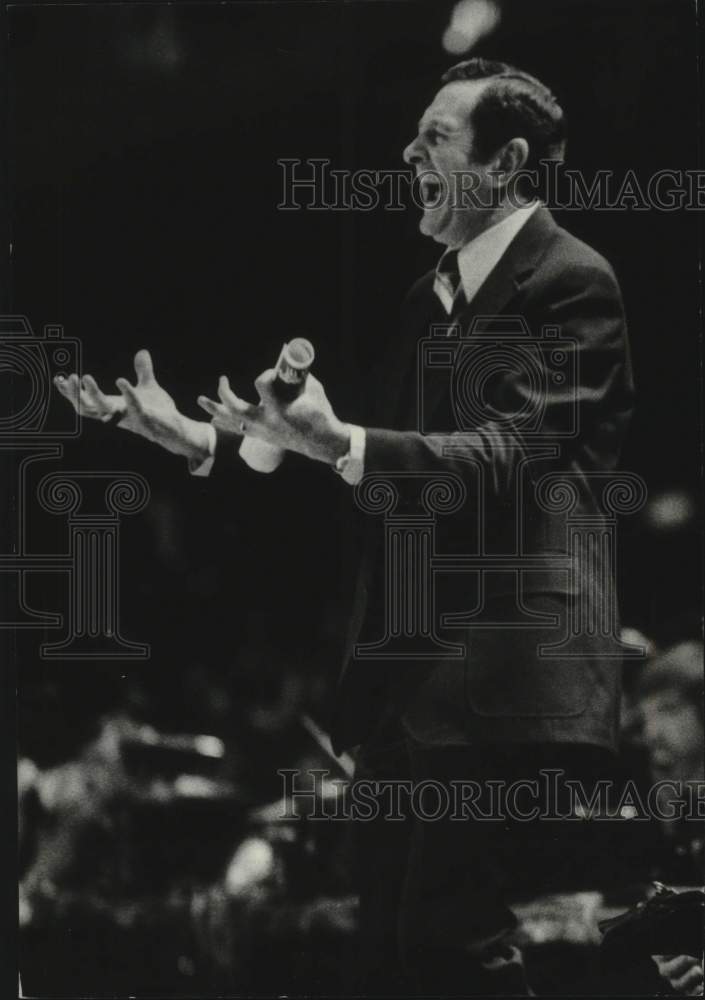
[508, 160]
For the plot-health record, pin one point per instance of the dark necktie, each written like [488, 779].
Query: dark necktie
[449, 272]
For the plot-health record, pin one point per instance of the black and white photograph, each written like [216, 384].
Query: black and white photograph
[351, 434]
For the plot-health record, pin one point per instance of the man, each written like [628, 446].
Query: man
[671, 700]
[670, 693]
[434, 917]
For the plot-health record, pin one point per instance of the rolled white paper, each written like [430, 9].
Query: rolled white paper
[295, 360]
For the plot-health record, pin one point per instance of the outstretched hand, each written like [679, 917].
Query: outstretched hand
[307, 425]
[87, 399]
[145, 408]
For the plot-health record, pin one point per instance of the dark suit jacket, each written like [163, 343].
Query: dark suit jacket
[504, 689]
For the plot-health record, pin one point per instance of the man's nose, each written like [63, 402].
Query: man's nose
[413, 154]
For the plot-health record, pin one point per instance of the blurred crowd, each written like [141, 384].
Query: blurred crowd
[161, 861]
[147, 862]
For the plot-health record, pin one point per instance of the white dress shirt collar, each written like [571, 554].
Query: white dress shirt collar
[479, 257]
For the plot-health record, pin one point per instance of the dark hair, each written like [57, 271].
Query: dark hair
[513, 104]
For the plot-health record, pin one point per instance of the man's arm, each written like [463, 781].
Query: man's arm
[584, 302]
[148, 410]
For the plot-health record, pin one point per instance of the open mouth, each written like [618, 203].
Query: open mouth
[431, 191]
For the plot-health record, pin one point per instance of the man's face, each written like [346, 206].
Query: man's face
[442, 150]
[673, 734]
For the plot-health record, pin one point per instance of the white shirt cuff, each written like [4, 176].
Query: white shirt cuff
[352, 466]
[204, 468]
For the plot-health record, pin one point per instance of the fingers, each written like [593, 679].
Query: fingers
[228, 397]
[226, 413]
[83, 394]
[264, 385]
[210, 406]
[94, 394]
[676, 966]
[87, 398]
[70, 388]
[229, 406]
[90, 386]
[102, 407]
[144, 369]
[232, 413]
[129, 394]
[689, 984]
[221, 418]
[683, 972]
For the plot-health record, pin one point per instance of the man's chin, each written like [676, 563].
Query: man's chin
[432, 226]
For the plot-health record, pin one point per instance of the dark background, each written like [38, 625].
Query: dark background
[143, 213]
[144, 187]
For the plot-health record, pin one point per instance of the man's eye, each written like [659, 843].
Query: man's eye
[431, 135]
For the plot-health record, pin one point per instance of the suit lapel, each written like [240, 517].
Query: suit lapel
[514, 266]
[496, 292]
